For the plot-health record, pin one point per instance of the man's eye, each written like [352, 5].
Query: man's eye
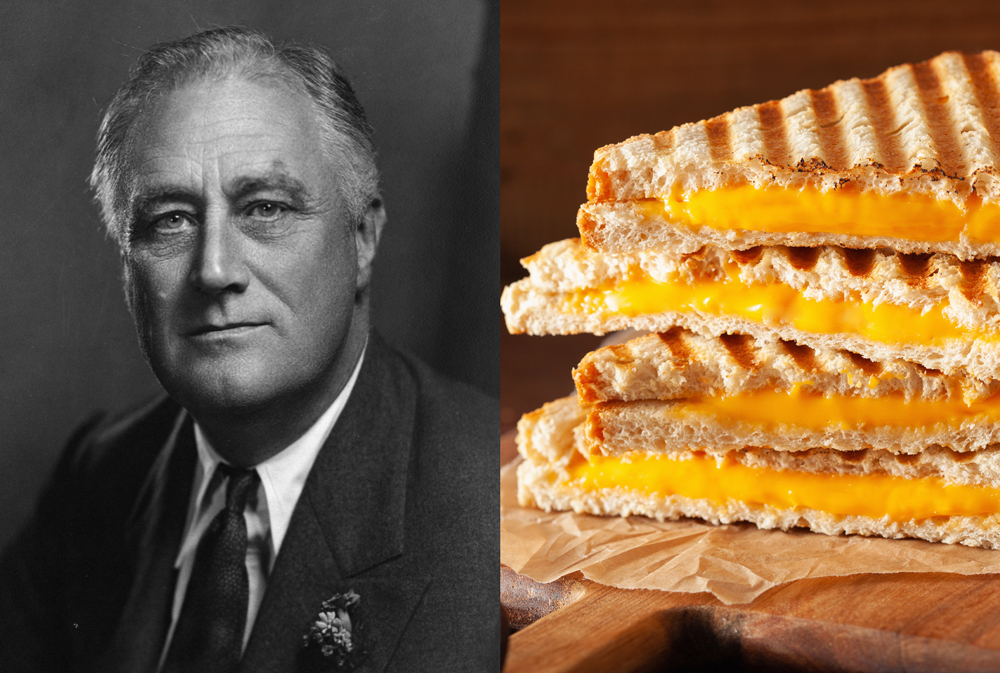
[266, 210]
[171, 222]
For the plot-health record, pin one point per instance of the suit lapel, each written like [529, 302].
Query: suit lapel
[347, 528]
[157, 524]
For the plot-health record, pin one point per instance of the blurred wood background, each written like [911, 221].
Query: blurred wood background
[577, 75]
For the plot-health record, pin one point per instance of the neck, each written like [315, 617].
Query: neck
[249, 437]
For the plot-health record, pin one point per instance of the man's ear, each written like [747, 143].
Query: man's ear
[366, 238]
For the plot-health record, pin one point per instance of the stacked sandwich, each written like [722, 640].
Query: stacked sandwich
[819, 276]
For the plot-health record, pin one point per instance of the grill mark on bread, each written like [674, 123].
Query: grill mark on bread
[830, 130]
[961, 456]
[867, 366]
[973, 275]
[742, 349]
[717, 130]
[587, 378]
[859, 262]
[772, 125]
[927, 371]
[595, 428]
[880, 110]
[853, 456]
[916, 267]
[664, 140]
[984, 86]
[623, 355]
[939, 123]
[803, 259]
[674, 339]
[750, 256]
[599, 183]
[804, 356]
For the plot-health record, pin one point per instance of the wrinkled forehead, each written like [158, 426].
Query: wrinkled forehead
[225, 131]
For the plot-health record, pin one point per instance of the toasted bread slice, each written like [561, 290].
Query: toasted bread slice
[929, 130]
[657, 426]
[548, 479]
[680, 364]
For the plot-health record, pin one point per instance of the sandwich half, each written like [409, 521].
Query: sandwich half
[906, 160]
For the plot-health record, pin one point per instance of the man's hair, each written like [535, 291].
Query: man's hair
[236, 52]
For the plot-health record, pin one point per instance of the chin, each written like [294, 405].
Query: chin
[225, 390]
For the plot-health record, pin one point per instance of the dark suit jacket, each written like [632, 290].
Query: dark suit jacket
[402, 506]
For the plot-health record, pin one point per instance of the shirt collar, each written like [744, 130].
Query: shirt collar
[283, 475]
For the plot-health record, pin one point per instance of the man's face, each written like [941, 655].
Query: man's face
[242, 268]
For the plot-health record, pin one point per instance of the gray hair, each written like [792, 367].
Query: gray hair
[227, 52]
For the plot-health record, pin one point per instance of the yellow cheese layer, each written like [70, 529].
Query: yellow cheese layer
[874, 495]
[780, 210]
[775, 304]
[816, 412]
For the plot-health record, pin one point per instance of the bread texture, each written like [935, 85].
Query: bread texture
[548, 447]
[655, 426]
[929, 128]
[681, 364]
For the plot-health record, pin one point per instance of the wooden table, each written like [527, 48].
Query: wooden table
[912, 622]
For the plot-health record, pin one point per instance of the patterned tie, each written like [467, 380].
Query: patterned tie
[209, 632]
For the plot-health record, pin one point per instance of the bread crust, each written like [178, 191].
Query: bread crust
[924, 128]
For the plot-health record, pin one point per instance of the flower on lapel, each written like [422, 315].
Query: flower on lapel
[333, 631]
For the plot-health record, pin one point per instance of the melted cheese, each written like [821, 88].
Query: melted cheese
[775, 304]
[702, 477]
[803, 409]
[779, 210]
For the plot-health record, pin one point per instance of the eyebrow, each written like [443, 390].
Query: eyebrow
[275, 178]
[145, 201]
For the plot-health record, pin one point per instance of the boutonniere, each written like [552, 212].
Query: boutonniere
[336, 631]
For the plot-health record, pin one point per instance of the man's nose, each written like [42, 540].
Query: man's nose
[218, 264]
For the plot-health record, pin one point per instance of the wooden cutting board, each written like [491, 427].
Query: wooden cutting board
[909, 622]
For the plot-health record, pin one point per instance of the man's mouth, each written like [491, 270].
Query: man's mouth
[224, 329]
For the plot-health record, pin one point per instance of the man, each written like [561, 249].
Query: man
[304, 498]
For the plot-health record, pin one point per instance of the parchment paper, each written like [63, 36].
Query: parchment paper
[736, 562]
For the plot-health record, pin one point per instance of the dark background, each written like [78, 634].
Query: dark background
[580, 74]
[427, 74]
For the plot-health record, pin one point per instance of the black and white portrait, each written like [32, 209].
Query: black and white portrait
[249, 367]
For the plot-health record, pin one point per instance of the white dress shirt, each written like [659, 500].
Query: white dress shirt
[267, 513]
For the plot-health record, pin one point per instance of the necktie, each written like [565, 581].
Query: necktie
[209, 631]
